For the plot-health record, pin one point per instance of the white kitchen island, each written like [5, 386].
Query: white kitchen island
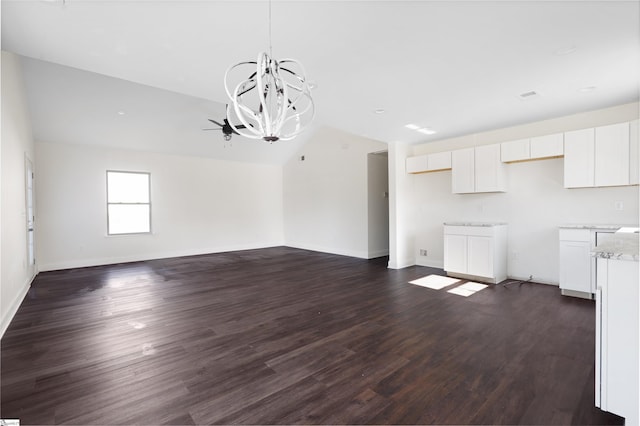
[617, 328]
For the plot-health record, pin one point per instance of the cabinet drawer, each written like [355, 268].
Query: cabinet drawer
[482, 231]
[575, 235]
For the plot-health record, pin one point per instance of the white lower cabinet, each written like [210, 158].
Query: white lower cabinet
[575, 260]
[617, 343]
[476, 251]
[577, 266]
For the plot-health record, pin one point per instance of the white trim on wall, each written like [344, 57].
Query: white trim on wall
[15, 304]
[54, 266]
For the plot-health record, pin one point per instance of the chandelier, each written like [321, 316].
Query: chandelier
[272, 99]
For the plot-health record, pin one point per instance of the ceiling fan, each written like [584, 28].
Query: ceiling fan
[227, 130]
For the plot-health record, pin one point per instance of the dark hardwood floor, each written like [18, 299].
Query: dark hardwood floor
[284, 336]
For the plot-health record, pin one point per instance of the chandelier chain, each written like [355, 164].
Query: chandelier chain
[270, 46]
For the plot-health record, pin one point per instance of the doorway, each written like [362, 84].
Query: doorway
[378, 204]
[29, 196]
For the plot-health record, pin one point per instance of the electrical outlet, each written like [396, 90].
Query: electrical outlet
[423, 252]
[619, 205]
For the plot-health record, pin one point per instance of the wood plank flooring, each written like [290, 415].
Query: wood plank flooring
[286, 336]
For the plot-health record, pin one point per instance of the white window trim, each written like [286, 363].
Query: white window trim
[109, 234]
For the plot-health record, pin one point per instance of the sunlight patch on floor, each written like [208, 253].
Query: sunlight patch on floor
[467, 289]
[436, 282]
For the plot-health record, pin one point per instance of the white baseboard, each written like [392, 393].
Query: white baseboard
[420, 261]
[15, 304]
[332, 250]
[378, 253]
[402, 263]
[83, 263]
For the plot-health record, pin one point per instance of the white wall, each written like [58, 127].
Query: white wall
[378, 204]
[402, 224]
[325, 196]
[535, 204]
[17, 143]
[198, 206]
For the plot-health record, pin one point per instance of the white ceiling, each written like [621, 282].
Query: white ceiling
[457, 67]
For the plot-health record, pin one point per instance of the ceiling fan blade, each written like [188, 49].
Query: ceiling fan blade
[215, 122]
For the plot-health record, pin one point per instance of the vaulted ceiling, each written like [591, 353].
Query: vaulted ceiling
[148, 74]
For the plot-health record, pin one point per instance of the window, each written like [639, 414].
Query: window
[128, 203]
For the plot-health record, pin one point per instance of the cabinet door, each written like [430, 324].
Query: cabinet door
[514, 150]
[579, 158]
[547, 146]
[416, 164]
[455, 253]
[489, 170]
[634, 153]
[612, 155]
[463, 171]
[621, 337]
[480, 256]
[575, 266]
[439, 161]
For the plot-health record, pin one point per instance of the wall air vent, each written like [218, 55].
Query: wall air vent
[529, 95]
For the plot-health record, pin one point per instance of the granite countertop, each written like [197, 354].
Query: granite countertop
[475, 223]
[593, 226]
[623, 245]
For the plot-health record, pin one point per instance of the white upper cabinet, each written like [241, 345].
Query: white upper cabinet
[604, 156]
[517, 150]
[634, 152]
[612, 155]
[416, 164]
[439, 161]
[477, 169]
[547, 146]
[463, 178]
[579, 158]
[429, 162]
[489, 170]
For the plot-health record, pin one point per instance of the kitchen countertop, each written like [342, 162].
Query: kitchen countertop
[621, 246]
[474, 223]
[603, 227]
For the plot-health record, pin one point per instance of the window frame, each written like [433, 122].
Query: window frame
[108, 203]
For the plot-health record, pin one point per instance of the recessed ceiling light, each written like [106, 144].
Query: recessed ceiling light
[121, 113]
[379, 111]
[587, 89]
[427, 131]
[565, 50]
[412, 126]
